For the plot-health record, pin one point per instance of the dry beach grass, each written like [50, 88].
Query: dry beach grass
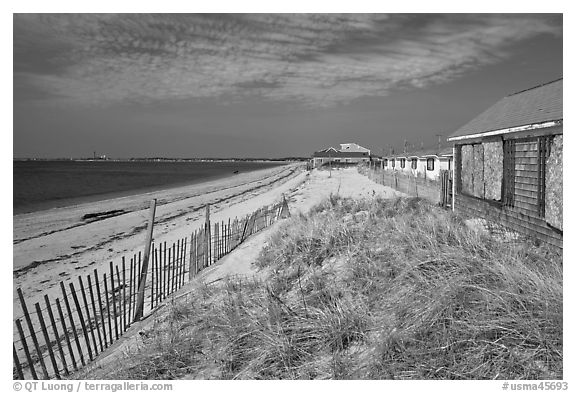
[368, 289]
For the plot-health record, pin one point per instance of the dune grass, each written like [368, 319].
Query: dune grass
[369, 289]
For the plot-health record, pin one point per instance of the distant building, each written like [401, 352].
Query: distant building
[348, 153]
[426, 164]
[508, 163]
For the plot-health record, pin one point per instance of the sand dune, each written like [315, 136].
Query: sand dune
[303, 192]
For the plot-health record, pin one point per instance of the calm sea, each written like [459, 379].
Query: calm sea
[40, 185]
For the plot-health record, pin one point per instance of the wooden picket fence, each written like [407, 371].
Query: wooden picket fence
[63, 334]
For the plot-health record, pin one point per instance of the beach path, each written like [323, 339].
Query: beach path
[303, 192]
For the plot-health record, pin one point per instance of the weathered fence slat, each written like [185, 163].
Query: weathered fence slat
[171, 269]
[32, 332]
[56, 335]
[91, 292]
[113, 291]
[120, 305]
[191, 256]
[66, 335]
[130, 286]
[166, 273]
[17, 363]
[158, 277]
[155, 273]
[88, 318]
[152, 277]
[102, 318]
[47, 340]
[108, 308]
[125, 318]
[183, 262]
[178, 261]
[72, 324]
[82, 322]
[26, 350]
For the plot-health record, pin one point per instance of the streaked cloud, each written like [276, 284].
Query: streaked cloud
[318, 60]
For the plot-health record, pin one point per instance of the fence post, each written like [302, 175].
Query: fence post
[142, 281]
[285, 210]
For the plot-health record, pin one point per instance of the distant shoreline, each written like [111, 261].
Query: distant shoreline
[62, 184]
[286, 160]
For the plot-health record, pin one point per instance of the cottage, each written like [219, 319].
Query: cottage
[431, 163]
[348, 153]
[426, 164]
[508, 163]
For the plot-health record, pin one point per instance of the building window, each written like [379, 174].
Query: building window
[402, 163]
[430, 164]
[393, 163]
[414, 163]
[385, 162]
[509, 173]
[524, 184]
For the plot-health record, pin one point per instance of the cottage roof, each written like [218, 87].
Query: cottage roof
[443, 152]
[538, 105]
[347, 150]
[339, 154]
[353, 147]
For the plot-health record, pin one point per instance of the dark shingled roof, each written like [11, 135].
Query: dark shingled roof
[532, 106]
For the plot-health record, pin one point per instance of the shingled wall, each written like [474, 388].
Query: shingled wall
[482, 168]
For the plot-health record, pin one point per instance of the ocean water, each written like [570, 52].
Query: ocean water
[41, 185]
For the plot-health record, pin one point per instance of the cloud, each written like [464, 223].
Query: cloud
[319, 60]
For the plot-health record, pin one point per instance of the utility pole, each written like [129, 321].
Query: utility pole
[439, 141]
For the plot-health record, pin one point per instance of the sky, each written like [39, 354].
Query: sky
[265, 85]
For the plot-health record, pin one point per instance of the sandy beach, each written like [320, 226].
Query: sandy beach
[55, 245]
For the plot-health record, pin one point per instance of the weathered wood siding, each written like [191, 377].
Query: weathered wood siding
[526, 177]
[528, 171]
[522, 223]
